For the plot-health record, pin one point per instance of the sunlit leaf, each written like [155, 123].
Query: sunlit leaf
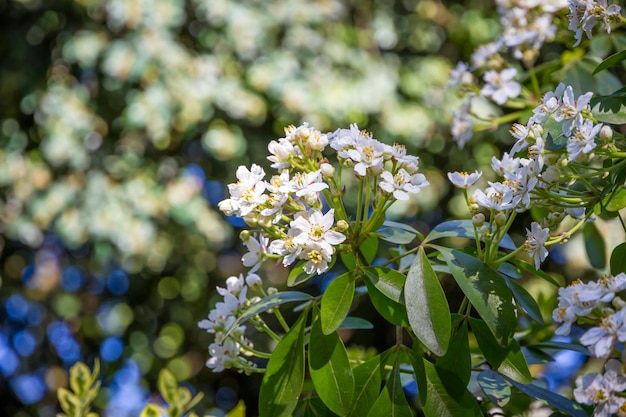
[610, 61]
[525, 300]
[168, 386]
[336, 302]
[367, 382]
[427, 306]
[594, 245]
[440, 403]
[569, 407]
[385, 295]
[284, 375]
[330, 369]
[462, 228]
[392, 401]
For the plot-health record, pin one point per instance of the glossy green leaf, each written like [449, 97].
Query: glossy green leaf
[615, 201]
[524, 300]
[427, 306]
[578, 74]
[69, 403]
[369, 248]
[440, 403]
[388, 281]
[267, 303]
[610, 61]
[367, 382]
[508, 360]
[554, 134]
[618, 259]
[486, 291]
[381, 292]
[348, 260]
[151, 410]
[398, 233]
[537, 272]
[392, 401]
[611, 108]
[330, 369]
[559, 346]
[80, 378]
[594, 245]
[168, 386]
[355, 323]
[495, 387]
[297, 275]
[336, 302]
[462, 228]
[284, 376]
[457, 359]
[569, 407]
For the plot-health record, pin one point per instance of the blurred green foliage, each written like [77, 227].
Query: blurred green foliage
[120, 121]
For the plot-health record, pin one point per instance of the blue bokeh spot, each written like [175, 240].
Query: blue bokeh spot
[71, 279]
[24, 342]
[111, 349]
[29, 389]
[16, 307]
[117, 282]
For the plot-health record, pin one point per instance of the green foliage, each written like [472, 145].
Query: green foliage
[336, 302]
[178, 399]
[594, 245]
[84, 389]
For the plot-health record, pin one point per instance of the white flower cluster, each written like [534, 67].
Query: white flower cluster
[288, 207]
[596, 300]
[229, 343]
[584, 14]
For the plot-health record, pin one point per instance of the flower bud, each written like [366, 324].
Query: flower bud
[244, 236]
[500, 219]
[272, 291]
[327, 170]
[253, 280]
[478, 219]
[251, 219]
[606, 133]
[265, 222]
[342, 226]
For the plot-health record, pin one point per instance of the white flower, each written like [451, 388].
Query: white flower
[257, 248]
[585, 13]
[583, 140]
[600, 390]
[600, 339]
[460, 75]
[287, 247]
[612, 284]
[550, 103]
[410, 163]
[304, 183]
[464, 179]
[247, 193]
[500, 86]
[367, 156]
[570, 110]
[317, 256]
[342, 139]
[577, 300]
[497, 197]
[536, 238]
[281, 153]
[313, 226]
[485, 54]
[402, 183]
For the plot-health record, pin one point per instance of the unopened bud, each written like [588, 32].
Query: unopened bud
[244, 236]
[563, 162]
[253, 280]
[478, 219]
[272, 291]
[327, 170]
[265, 222]
[500, 219]
[342, 226]
[251, 219]
[606, 133]
[618, 303]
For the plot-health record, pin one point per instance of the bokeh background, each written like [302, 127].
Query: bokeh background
[121, 121]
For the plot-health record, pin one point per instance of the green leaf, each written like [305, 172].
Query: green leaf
[369, 248]
[616, 201]
[618, 259]
[355, 323]
[440, 403]
[284, 376]
[368, 377]
[336, 302]
[462, 228]
[151, 410]
[594, 245]
[330, 369]
[297, 275]
[267, 303]
[553, 399]
[392, 401]
[80, 378]
[610, 61]
[388, 281]
[418, 371]
[457, 359]
[537, 272]
[494, 387]
[611, 108]
[348, 260]
[386, 295]
[398, 233]
[69, 402]
[168, 386]
[486, 291]
[238, 411]
[578, 74]
[427, 306]
[560, 346]
[525, 300]
[554, 133]
[507, 360]
[313, 407]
